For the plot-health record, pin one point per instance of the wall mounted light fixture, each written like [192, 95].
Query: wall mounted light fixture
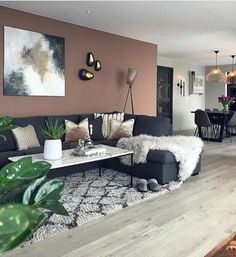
[85, 74]
[90, 59]
[98, 66]
[181, 87]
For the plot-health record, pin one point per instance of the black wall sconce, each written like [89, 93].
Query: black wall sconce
[90, 59]
[98, 66]
[85, 74]
[181, 87]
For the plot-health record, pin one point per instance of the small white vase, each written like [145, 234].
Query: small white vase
[52, 149]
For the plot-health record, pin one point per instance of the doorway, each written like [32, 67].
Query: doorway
[165, 91]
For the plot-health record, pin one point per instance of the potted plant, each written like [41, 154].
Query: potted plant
[5, 124]
[24, 193]
[226, 101]
[53, 133]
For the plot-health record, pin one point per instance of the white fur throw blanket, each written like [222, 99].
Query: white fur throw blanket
[185, 149]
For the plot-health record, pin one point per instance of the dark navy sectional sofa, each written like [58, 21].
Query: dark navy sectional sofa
[160, 164]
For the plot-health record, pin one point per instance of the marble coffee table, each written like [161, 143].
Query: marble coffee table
[68, 159]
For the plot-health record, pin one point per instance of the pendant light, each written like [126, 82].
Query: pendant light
[231, 77]
[216, 75]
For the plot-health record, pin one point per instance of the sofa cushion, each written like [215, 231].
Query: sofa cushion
[106, 142]
[9, 144]
[25, 137]
[150, 125]
[97, 125]
[66, 146]
[75, 131]
[38, 122]
[34, 150]
[72, 117]
[106, 121]
[5, 155]
[86, 116]
[121, 129]
[129, 116]
[160, 156]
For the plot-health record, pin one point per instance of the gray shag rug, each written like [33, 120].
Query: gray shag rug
[90, 197]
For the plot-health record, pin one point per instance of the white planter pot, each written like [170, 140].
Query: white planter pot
[52, 149]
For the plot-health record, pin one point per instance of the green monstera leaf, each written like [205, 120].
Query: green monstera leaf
[23, 191]
[17, 223]
[23, 170]
[54, 206]
[29, 194]
[48, 197]
[51, 190]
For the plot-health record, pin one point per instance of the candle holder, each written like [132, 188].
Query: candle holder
[91, 130]
[88, 143]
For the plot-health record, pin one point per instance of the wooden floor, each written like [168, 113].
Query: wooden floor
[187, 222]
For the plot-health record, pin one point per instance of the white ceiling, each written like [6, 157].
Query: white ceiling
[186, 30]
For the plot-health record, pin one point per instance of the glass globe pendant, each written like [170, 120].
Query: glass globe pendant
[231, 77]
[216, 75]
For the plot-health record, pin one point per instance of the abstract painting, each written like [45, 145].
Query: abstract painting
[34, 63]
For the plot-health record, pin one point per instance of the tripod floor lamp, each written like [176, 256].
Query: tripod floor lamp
[132, 74]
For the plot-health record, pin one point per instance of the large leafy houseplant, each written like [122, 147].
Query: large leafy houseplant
[24, 193]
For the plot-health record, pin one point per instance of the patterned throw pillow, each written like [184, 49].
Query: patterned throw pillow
[121, 129]
[74, 131]
[25, 137]
[106, 125]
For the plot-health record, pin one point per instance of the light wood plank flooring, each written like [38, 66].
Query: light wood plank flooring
[187, 222]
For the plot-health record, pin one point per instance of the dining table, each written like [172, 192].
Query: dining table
[219, 120]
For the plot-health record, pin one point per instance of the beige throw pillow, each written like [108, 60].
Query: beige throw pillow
[25, 137]
[106, 124]
[121, 129]
[74, 131]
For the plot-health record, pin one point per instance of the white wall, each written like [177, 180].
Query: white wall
[183, 105]
[214, 90]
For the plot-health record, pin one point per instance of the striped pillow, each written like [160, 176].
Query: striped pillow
[25, 137]
[106, 124]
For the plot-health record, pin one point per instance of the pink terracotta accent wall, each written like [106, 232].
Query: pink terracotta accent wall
[107, 91]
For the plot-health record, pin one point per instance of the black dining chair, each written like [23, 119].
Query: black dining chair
[216, 120]
[202, 120]
[231, 125]
[208, 110]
